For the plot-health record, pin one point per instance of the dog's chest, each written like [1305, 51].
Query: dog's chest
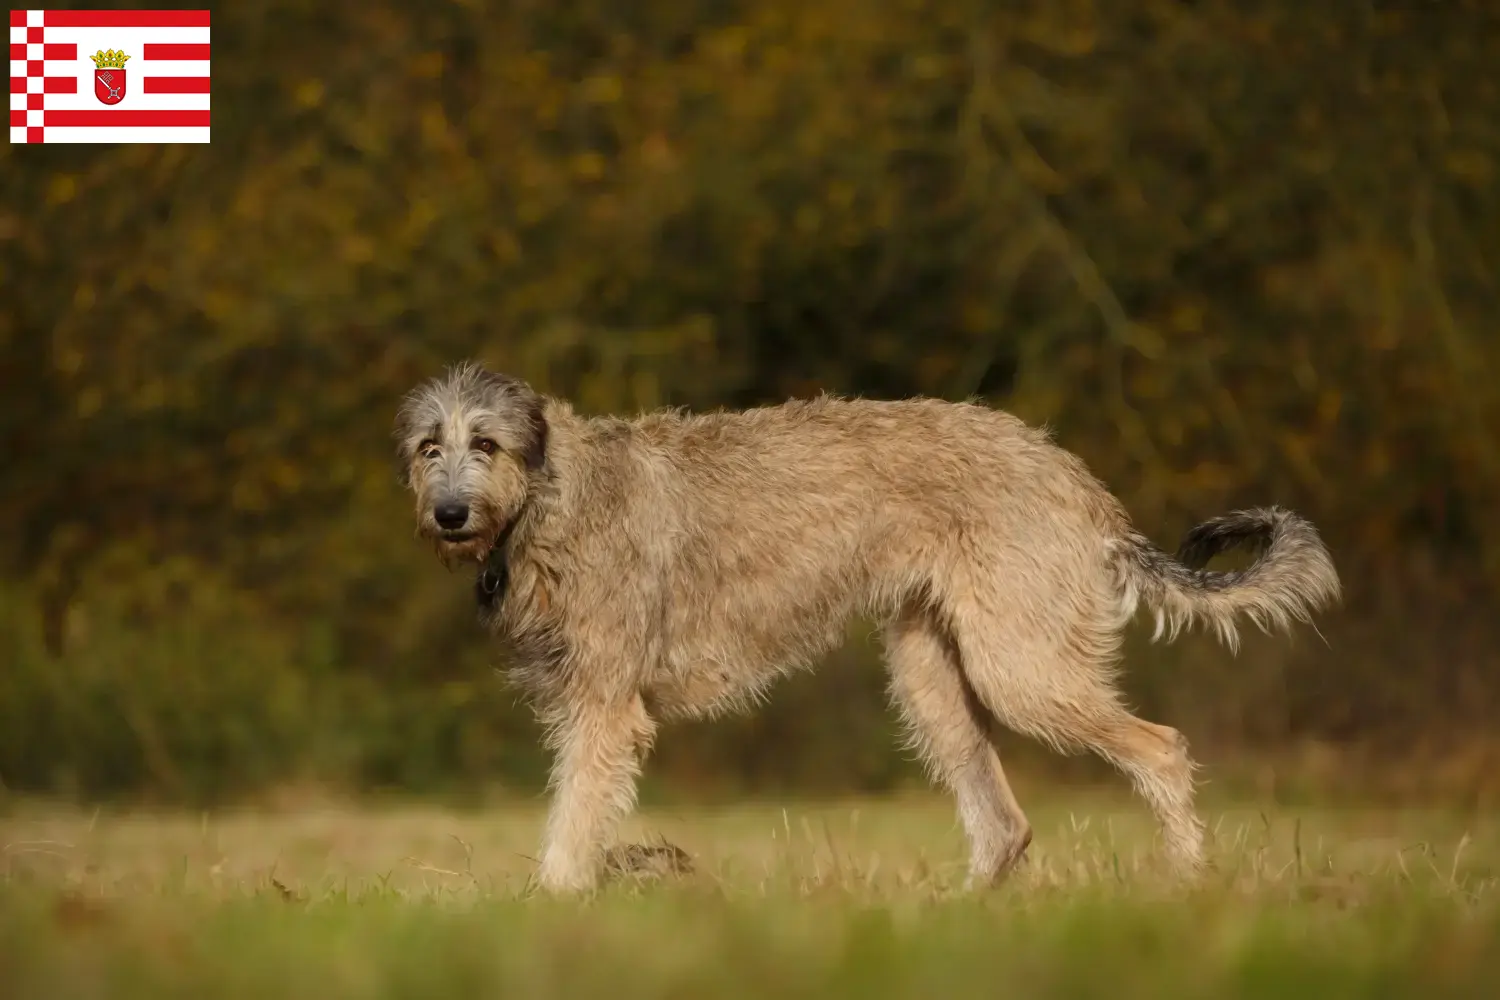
[517, 607]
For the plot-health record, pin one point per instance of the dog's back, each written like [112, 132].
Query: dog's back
[788, 521]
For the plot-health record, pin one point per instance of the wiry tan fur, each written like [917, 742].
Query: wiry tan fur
[675, 565]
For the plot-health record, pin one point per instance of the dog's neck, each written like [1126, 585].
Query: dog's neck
[494, 571]
[489, 585]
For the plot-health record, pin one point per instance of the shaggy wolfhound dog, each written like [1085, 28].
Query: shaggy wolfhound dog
[675, 565]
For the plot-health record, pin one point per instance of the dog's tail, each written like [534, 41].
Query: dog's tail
[1292, 577]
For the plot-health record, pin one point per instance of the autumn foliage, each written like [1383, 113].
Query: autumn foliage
[1232, 253]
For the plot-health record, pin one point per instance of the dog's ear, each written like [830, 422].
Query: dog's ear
[509, 392]
[401, 433]
[535, 453]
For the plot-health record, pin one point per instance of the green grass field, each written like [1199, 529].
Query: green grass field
[828, 900]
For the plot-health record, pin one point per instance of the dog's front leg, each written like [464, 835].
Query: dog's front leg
[593, 781]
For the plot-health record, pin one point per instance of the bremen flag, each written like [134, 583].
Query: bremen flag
[109, 76]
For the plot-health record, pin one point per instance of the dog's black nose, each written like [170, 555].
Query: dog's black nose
[451, 515]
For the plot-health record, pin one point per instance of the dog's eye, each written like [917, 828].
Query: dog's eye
[485, 445]
[427, 447]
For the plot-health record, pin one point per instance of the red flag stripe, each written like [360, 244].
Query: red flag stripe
[126, 119]
[176, 52]
[60, 50]
[18, 19]
[18, 85]
[122, 18]
[17, 119]
[175, 85]
[60, 85]
[17, 51]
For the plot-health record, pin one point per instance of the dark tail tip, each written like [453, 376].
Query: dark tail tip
[1243, 529]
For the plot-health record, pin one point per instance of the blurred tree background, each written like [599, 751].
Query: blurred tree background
[1234, 252]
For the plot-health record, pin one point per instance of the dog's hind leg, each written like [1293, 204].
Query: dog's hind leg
[948, 726]
[1036, 681]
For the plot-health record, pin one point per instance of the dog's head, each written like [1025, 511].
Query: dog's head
[472, 444]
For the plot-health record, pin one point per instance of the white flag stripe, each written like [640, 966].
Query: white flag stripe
[163, 67]
[152, 67]
[84, 68]
[55, 134]
[134, 100]
[129, 39]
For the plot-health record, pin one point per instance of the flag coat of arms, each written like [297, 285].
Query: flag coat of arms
[109, 76]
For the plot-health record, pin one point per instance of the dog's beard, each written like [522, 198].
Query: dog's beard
[469, 545]
[454, 552]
